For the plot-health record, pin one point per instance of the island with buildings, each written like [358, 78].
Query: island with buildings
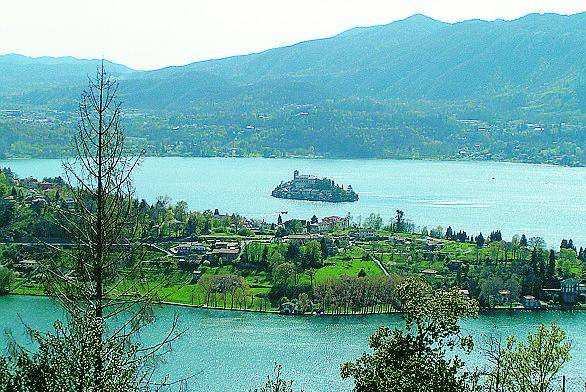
[312, 188]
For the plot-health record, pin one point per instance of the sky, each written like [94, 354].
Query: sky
[149, 34]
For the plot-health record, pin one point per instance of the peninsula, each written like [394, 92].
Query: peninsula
[308, 187]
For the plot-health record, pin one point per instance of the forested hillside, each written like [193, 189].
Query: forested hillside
[508, 90]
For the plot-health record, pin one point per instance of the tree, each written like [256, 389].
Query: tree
[532, 365]
[523, 241]
[567, 262]
[551, 268]
[323, 243]
[276, 383]
[282, 272]
[399, 221]
[264, 259]
[311, 274]
[515, 246]
[415, 359]
[293, 252]
[449, 232]
[94, 280]
[479, 241]
[311, 254]
[536, 242]
[6, 213]
[6, 277]
[373, 221]
[64, 361]
[437, 232]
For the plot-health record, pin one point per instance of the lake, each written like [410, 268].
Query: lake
[234, 351]
[538, 200]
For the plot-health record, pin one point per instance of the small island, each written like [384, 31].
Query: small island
[312, 188]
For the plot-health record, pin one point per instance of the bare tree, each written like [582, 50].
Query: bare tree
[101, 278]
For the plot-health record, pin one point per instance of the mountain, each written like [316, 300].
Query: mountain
[25, 74]
[418, 87]
[415, 58]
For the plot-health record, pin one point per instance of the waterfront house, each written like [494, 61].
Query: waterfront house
[287, 308]
[530, 302]
[570, 289]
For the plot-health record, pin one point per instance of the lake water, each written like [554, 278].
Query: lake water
[234, 351]
[539, 200]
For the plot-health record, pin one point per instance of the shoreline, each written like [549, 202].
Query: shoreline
[276, 312]
[318, 158]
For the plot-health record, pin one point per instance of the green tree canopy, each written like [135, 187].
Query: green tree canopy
[415, 359]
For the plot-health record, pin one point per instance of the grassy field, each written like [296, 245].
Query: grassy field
[347, 263]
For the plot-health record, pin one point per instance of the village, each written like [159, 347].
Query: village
[315, 251]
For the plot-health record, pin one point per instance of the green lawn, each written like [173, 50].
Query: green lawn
[347, 263]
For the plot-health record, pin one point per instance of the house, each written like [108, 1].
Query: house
[287, 308]
[302, 238]
[195, 275]
[366, 234]
[530, 302]
[455, 265]
[226, 245]
[396, 240]
[333, 223]
[223, 254]
[504, 297]
[27, 265]
[68, 203]
[187, 248]
[38, 202]
[430, 272]
[569, 290]
[465, 294]
[45, 186]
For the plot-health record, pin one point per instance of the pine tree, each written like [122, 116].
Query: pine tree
[551, 268]
[449, 232]
[523, 241]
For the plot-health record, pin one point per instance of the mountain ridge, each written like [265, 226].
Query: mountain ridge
[404, 89]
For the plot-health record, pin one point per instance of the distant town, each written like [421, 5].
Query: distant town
[194, 135]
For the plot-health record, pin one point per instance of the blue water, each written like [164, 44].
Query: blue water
[539, 200]
[234, 351]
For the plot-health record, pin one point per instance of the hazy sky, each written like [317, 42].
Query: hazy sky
[147, 34]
